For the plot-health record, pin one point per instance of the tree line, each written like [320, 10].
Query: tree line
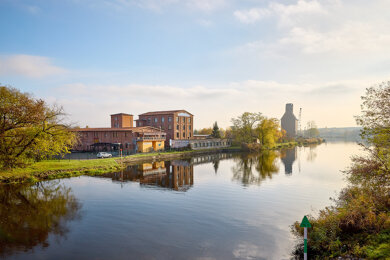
[249, 128]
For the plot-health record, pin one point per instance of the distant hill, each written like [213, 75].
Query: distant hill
[341, 133]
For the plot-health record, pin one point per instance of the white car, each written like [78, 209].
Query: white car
[104, 155]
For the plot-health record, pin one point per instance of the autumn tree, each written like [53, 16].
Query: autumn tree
[312, 130]
[30, 129]
[244, 127]
[254, 127]
[204, 131]
[216, 132]
[268, 131]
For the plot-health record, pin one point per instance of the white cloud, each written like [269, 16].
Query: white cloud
[351, 37]
[285, 13]
[206, 5]
[290, 14]
[327, 26]
[28, 66]
[252, 15]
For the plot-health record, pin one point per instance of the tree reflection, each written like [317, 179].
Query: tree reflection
[216, 166]
[312, 154]
[28, 214]
[255, 168]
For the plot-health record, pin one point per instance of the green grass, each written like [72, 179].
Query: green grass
[52, 169]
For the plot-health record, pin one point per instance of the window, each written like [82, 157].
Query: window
[184, 120]
[184, 135]
[177, 128]
[149, 120]
[125, 135]
[162, 119]
[95, 134]
[140, 123]
[189, 127]
[169, 119]
[155, 119]
[169, 127]
[177, 135]
[177, 119]
[105, 134]
[189, 120]
[184, 127]
[86, 134]
[190, 134]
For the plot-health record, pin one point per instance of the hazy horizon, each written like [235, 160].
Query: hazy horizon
[213, 58]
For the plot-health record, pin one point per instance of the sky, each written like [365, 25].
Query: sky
[213, 58]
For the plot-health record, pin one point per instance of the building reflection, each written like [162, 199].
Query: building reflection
[176, 175]
[30, 214]
[288, 157]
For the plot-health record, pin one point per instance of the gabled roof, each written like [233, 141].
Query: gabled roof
[164, 112]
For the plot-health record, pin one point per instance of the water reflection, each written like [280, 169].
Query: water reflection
[28, 214]
[288, 157]
[176, 175]
[312, 154]
[255, 168]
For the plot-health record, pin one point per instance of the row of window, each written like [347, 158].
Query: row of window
[106, 134]
[184, 135]
[170, 127]
[183, 119]
[210, 144]
[184, 127]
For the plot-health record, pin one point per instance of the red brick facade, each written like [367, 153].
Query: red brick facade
[121, 120]
[113, 139]
[178, 124]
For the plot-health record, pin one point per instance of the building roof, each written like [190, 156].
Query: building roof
[121, 114]
[164, 112]
[140, 129]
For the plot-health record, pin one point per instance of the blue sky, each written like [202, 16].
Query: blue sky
[215, 58]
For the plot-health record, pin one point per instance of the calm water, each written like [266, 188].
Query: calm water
[211, 207]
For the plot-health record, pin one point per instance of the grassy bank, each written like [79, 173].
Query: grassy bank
[53, 169]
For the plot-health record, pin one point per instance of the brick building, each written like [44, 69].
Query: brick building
[177, 124]
[121, 135]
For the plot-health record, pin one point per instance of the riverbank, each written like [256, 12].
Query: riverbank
[55, 169]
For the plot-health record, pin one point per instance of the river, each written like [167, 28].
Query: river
[221, 206]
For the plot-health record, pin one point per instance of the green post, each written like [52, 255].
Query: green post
[305, 224]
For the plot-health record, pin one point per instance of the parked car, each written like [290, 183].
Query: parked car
[104, 155]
